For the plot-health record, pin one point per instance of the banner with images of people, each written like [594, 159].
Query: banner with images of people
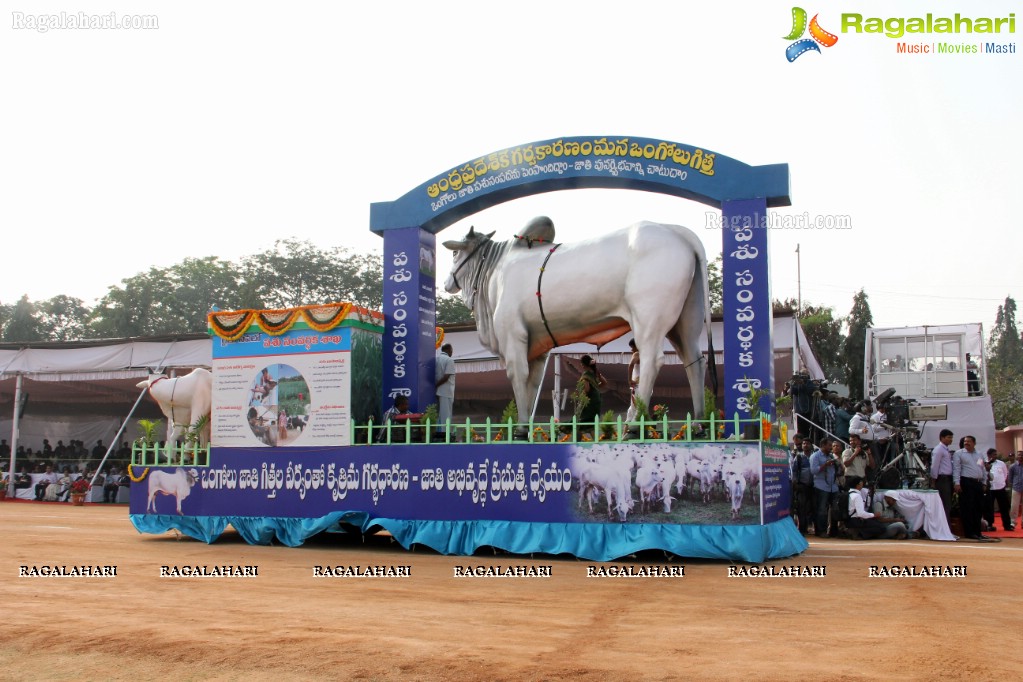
[285, 390]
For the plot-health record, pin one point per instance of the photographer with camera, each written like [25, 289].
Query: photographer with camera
[826, 467]
[801, 387]
[857, 459]
[843, 416]
[802, 484]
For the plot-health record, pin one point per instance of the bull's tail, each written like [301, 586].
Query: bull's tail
[711, 356]
[704, 264]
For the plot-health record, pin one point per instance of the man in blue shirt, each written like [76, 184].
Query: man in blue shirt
[1016, 486]
[968, 477]
[825, 468]
[802, 485]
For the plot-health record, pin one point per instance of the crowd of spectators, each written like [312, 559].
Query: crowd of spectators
[49, 471]
[833, 486]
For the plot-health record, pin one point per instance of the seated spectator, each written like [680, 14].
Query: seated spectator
[112, 485]
[866, 524]
[90, 472]
[23, 479]
[64, 486]
[400, 407]
[48, 477]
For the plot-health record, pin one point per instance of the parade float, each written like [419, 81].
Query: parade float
[296, 446]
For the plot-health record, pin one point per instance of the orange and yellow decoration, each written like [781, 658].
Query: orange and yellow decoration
[232, 325]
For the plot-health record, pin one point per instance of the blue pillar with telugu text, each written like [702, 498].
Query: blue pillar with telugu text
[410, 272]
[747, 308]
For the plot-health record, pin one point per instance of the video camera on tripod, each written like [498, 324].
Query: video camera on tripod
[901, 416]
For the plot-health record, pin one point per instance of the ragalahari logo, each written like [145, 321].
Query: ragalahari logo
[817, 35]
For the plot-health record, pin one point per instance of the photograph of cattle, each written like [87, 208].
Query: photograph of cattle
[279, 408]
[697, 483]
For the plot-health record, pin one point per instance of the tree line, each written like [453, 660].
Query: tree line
[176, 299]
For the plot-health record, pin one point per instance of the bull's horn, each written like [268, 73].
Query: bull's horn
[454, 245]
[490, 235]
[472, 232]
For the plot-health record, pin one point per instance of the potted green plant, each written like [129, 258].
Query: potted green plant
[756, 430]
[149, 430]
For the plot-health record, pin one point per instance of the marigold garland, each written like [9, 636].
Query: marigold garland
[139, 479]
[232, 325]
[323, 318]
[276, 322]
[440, 336]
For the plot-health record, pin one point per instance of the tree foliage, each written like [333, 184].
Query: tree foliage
[23, 323]
[824, 333]
[64, 318]
[1005, 366]
[853, 351]
[451, 310]
[176, 299]
[295, 273]
[715, 284]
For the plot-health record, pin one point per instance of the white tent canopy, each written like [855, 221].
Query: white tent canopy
[85, 390]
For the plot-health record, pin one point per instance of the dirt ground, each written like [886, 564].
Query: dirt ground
[286, 624]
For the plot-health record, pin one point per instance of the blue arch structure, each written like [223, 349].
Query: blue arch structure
[742, 192]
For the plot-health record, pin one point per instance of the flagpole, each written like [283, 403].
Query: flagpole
[799, 284]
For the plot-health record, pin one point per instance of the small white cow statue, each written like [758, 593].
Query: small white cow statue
[183, 400]
[176, 483]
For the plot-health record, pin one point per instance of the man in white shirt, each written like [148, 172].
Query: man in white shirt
[867, 524]
[941, 471]
[445, 382]
[46, 478]
[998, 474]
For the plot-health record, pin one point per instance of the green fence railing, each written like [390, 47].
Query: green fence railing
[146, 455]
[490, 432]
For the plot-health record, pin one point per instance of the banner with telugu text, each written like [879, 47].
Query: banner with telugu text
[514, 482]
[282, 391]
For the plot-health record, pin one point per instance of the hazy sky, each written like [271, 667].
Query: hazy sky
[233, 125]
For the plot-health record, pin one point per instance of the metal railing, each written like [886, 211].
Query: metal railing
[617, 431]
[146, 455]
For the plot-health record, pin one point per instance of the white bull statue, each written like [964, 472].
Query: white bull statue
[528, 297]
[183, 400]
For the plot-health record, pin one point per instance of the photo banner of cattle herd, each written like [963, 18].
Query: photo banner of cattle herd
[662, 483]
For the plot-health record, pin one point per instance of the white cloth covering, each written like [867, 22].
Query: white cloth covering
[921, 509]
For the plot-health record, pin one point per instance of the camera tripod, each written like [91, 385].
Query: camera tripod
[911, 469]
